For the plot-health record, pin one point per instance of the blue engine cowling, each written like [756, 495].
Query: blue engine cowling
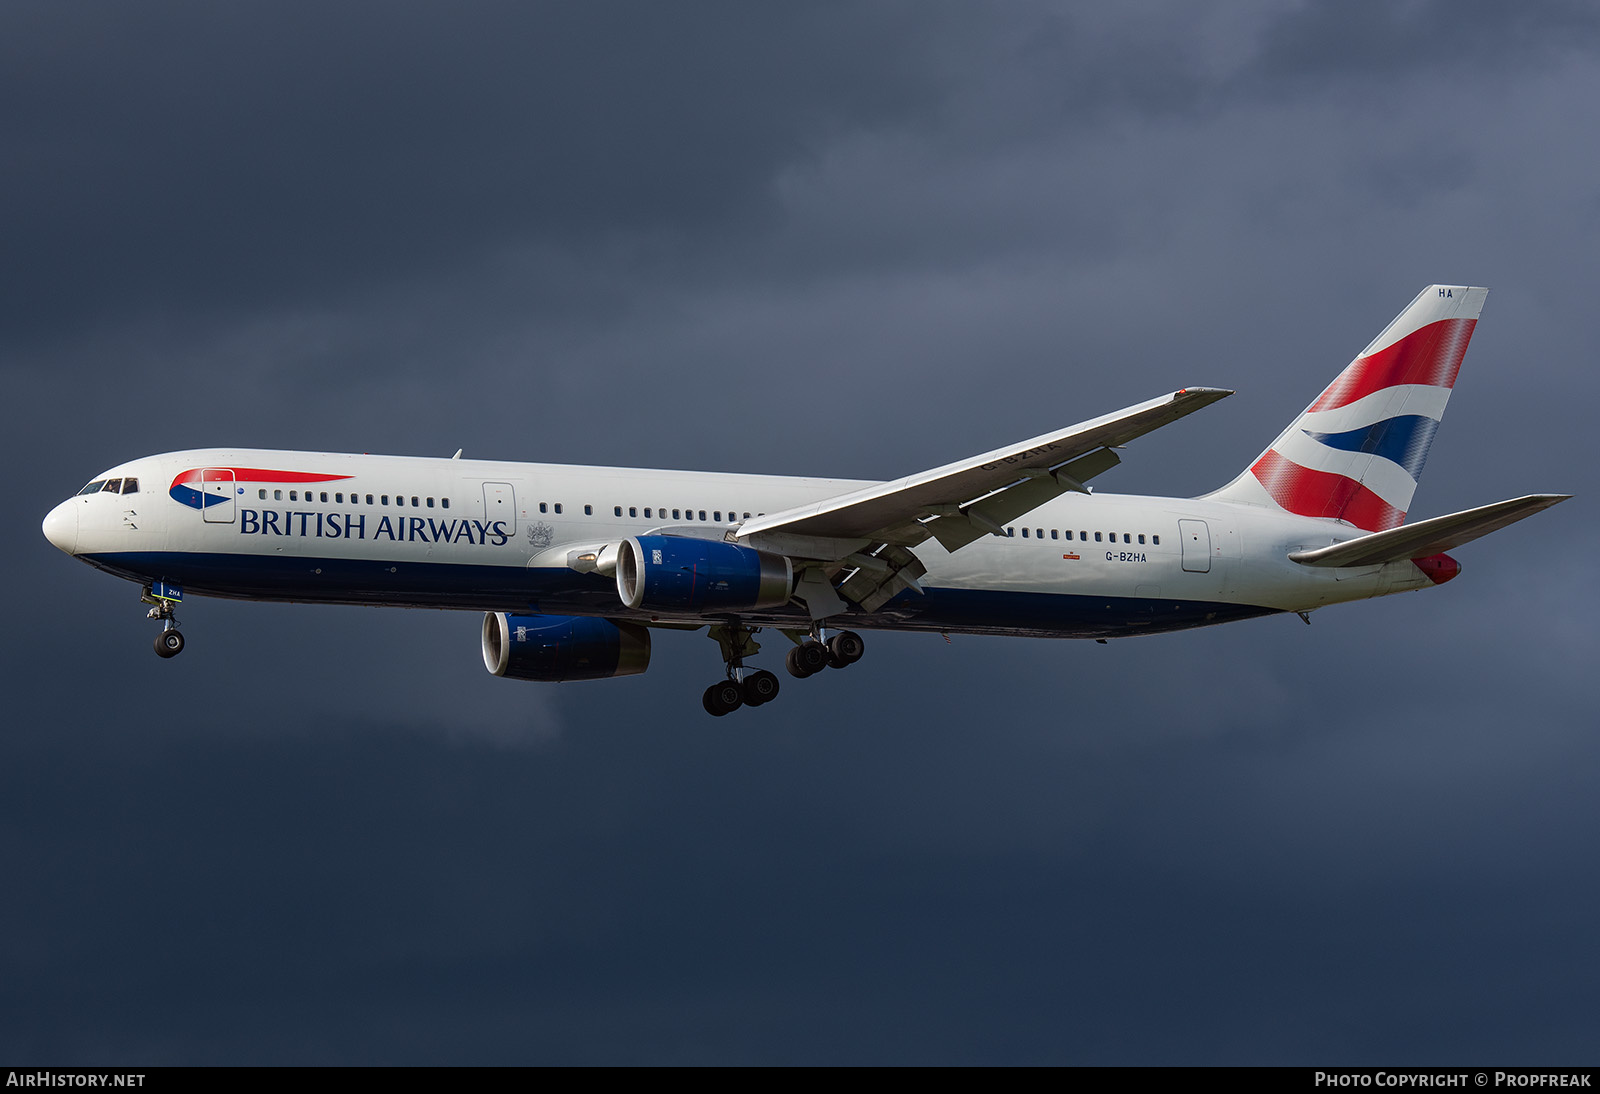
[681, 574]
[563, 647]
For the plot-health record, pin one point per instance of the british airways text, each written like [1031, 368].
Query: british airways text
[354, 526]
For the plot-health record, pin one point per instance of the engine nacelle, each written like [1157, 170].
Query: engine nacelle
[682, 574]
[563, 647]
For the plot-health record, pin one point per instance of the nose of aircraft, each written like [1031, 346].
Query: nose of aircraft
[61, 526]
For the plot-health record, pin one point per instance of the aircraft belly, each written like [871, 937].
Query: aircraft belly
[482, 587]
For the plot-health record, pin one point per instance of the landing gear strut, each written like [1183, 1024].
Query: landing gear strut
[742, 687]
[814, 654]
[169, 643]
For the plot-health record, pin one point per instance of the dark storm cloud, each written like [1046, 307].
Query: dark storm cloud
[1355, 42]
[853, 240]
[256, 152]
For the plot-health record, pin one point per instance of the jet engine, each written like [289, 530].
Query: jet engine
[682, 574]
[563, 647]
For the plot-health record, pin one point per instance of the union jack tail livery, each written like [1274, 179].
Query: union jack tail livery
[1357, 451]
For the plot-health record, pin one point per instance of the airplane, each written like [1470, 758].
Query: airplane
[575, 566]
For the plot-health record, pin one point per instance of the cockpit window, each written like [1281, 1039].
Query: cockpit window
[130, 486]
[113, 486]
[93, 488]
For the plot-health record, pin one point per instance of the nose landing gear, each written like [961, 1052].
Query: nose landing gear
[169, 643]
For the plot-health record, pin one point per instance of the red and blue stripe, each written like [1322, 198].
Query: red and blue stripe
[195, 497]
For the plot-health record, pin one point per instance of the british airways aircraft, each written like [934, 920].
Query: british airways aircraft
[574, 566]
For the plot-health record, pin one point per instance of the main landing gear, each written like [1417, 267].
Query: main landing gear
[742, 687]
[169, 643]
[814, 654]
[746, 688]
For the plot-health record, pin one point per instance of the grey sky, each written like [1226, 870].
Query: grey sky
[846, 240]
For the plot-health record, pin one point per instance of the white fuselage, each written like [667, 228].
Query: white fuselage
[490, 536]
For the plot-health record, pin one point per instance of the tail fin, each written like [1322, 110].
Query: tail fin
[1357, 451]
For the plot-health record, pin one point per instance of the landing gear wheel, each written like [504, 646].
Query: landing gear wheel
[760, 687]
[807, 659]
[723, 697]
[845, 648]
[169, 644]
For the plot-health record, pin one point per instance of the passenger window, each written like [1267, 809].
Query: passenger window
[588, 510]
[324, 496]
[277, 495]
[747, 516]
[1024, 533]
[633, 511]
[1141, 537]
[445, 502]
[1127, 538]
[430, 503]
[294, 495]
[543, 508]
[716, 515]
[1038, 533]
[339, 498]
[384, 498]
[1155, 540]
[646, 511]
[413, 499]
[262, 493]
[702, 514]
[1097, 537]
[675, 515]
[558, 507]
[616, 510]
[1011, 531]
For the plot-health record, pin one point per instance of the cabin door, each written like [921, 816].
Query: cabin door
[216, 495]
[1196, 540]
[500, 503]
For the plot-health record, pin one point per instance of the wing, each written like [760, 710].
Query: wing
[872, 530]
[971, 489]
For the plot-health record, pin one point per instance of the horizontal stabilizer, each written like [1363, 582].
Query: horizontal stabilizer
[1427, 537]
[880, 512]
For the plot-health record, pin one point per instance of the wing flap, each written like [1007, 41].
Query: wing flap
[1427, 537]
[989, 515]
